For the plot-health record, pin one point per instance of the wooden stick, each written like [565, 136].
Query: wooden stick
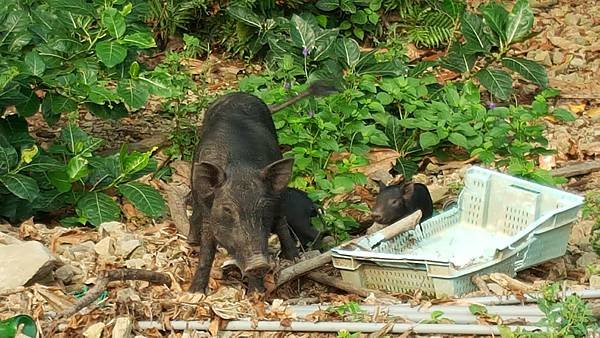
[326, 279]
[116, 275]
[577, 169]
[509, 283]
[481, 285]
[305, 266]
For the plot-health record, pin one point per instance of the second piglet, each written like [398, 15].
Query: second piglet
[395, 202]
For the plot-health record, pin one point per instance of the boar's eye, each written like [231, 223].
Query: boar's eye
[395, 202]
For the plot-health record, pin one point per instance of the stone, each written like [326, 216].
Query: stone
[558, 57]
[124, 248]
[572, 19]
[135, 263]
[65, 273]
[595, 281]
[127, 295]
[123, 327]
[111, 229]
[24, 263]
[105, 247]
[94, 331]
[543, 57]
[587, 259]
[578, 62]
[6, 239]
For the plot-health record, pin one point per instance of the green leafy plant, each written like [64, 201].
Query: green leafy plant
[485, 54]
[426, 23]
[564, 317]
[357, 17]
[70, 176]
[437, 317]
[350, 310]
[58, 55]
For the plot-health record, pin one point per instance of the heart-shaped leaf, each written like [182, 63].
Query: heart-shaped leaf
[21, 186]
[35, 64]
[60, 180]
[520, 21]
[328, 5]
[110, 53]
[140, 39]
[428, 140]
[471, 26]
[114, 22]
[133, 92]
[98, 208]
[77, 168]
[245, 15]
[529, 69]
[144, 197]
[8, 158]
[458, 139]
[302, 33]
[348, 50]
[496, 17]
[498, 82]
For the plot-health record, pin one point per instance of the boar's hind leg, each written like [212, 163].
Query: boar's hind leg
[208, 246]
[288, 245]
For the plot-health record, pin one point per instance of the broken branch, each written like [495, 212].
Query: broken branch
[116, 275]
[577, 169]
[296, 270]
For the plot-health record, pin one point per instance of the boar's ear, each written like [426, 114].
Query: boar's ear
[380, 184]
[277, 174]
[208, 176]
[408, 190]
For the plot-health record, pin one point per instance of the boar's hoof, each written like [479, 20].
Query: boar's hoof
[257, 265]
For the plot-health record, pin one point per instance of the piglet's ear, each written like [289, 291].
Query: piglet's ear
[408, 190]
[277, 174]
[207, 177]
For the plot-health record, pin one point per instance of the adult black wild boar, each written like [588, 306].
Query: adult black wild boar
[238, 175]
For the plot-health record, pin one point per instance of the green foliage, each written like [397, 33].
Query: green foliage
[57, 55]
[165, 17]
[489, 36]
[564, 317]
[350, 310]
[70, 176]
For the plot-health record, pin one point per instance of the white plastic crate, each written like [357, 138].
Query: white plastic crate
[500, 224]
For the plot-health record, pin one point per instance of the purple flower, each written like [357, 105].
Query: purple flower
[287, 86]
[305, 51]
[311, 113]
[491, 105]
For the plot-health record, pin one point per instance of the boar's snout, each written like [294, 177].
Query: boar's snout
[257, 265]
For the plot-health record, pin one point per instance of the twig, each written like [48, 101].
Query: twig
[577, 169]
[481, 285]
[509, 283]
[326, 279]
[116, 275]
[391, 231]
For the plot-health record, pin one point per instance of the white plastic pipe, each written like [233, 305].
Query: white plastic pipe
[500, 300]
[240, 325]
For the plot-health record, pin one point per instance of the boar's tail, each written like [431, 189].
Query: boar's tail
[317, 88]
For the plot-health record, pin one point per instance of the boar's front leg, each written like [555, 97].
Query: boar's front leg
[208, 247]
[288, 244]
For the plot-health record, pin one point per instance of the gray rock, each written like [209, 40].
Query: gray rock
[587, 259]
[111, 229]
[558, 57]
[65, 273]
[94, 331]
[595, 281]
[25, 263]
[577, 62]
[572, 19]
[105, 247]
[123, 327]
[124, 248]
[543, 57]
